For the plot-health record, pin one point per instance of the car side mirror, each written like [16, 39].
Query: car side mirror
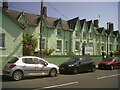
[45, 64]
[79, 62]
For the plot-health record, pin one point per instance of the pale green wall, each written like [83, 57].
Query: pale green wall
[13, 37]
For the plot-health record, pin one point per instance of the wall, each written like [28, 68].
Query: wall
[13, 38]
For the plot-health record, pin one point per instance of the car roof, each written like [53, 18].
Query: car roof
[113, 57]
[29, 57]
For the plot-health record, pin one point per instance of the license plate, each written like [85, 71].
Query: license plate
[62, 68]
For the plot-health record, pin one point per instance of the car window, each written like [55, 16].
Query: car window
[13, 60]
[82, 59]
[30, 60]
[42, 62]
[108, 59]
[117, 60]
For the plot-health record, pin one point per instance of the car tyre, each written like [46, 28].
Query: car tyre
[53, 73]
[75, 71]
[93, 68]
[111, 67]
[17, 75]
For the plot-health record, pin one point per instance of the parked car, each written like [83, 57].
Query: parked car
[110, 63]
[19, 67]
[78, 64]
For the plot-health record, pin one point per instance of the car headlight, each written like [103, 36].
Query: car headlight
[71, 65]
[108, 63]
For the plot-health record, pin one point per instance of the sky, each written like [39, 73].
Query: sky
[104, 11]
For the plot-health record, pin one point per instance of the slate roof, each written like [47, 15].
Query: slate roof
[14, 16]
[13, 13]
[33, 19]
[51, 22]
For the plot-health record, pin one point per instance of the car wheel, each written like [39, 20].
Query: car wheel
[93, 69]
[17, 75]
[53, 73]
[75, 71]
[111, 67]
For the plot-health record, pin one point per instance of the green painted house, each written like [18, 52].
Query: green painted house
[75, 36]
[11, 36]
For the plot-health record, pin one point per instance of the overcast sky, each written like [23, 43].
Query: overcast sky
[108, 11]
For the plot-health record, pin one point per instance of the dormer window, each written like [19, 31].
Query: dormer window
[84, 35]
[77, 33]
[58, 31]
[2, 40]
[90, 35]
[77, 45]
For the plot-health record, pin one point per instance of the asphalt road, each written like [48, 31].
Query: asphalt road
[97, 79]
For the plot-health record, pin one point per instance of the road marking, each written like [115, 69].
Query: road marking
[59, 85]
[108, 76]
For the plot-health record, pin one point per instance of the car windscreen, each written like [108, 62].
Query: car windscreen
[13, 60]
[108, 59]
[75, 59]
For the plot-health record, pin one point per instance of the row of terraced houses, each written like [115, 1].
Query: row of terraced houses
[73, 36]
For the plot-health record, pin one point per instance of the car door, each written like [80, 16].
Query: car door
[82, 64]
[42, 68]
[28, 66]
[117, 63]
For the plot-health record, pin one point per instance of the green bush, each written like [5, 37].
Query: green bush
[47, 51]
[71, 54]
[116, 52]
[29, 44]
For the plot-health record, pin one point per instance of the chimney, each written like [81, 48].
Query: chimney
[5, 4]
[96, 22]
[110, 26]
[45, 11]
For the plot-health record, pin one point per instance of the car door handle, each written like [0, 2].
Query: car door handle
[36, 66]
[24, 66]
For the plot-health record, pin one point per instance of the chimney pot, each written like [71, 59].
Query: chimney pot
[5, 4]
[45, 11]
[96, 22]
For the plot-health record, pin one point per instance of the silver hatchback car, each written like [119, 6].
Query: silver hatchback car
[19, 67]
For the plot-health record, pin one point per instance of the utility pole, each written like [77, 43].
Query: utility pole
[41, 29]
[107, 36]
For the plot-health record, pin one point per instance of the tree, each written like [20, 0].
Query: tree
[29, 44]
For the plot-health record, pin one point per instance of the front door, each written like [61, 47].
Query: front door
[28, 66]
[83, 50]
[42, 68]
[117, 63]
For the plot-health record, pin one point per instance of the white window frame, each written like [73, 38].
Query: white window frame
[59, 45]
[2, 40]
[77, 44]
[59, 32]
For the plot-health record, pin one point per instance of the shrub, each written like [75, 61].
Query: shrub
[47, 51]
[29, 44]
[70, 53]
[116, 52]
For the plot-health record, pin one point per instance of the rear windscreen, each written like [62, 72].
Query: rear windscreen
[13, 60]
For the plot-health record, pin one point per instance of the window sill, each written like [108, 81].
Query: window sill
[58, 50]
[2, 48]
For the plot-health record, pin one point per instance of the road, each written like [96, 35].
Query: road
[97, 79]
